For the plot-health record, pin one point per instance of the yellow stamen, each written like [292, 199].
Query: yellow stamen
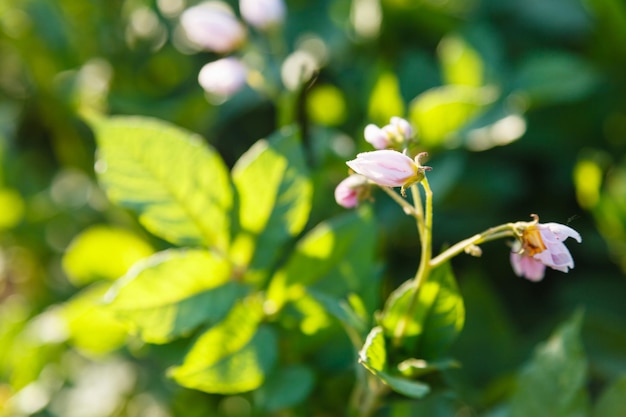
[532, 243]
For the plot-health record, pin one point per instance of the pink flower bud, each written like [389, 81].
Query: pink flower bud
[351, 191]
[223, 77]
[213, 26]
[542, 245]
[388, 168]
[262, 14]
[376, 136]
[403, 127]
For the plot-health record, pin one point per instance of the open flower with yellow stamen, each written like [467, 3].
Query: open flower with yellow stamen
[541, 245]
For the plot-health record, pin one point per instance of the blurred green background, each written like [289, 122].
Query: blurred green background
[535, 123]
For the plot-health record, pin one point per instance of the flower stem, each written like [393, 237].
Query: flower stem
[425, 224]
[406, 206]
[497, 232]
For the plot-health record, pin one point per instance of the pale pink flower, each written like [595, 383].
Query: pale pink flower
[542, 245]
[352, 190]
[376, 136]
[262, 14]
[388, 168]
[213, 26]
[223, 77]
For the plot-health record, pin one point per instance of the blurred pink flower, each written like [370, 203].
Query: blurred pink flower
[213, 26]
[542, 245]
[262, 14]
[376, 136]
[352, 190]
[223, 77]
[402, 126]
[396, 134]
[388, 168]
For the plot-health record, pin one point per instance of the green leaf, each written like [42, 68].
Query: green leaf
[177, 185]
[373, 355]
[412, 389]
[417, 367]
[93, 328]
[232, 357]
[285, 388]
[440, 112]
[553, 77]
[553, 383]
[437, 318]
[611, 402]
[13, 208]
[460, 63]
[336, 257]
[385, 100]
[83, 261]
[172, 292]
[275, 193]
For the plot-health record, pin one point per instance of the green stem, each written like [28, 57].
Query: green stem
[406, 206]
[424, 268]
[497, 232]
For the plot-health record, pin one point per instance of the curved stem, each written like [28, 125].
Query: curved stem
[497, 232]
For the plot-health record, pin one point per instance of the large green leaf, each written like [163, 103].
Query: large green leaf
[274, 193]
[172, 292]
[437, 316]
[83, 261]
[441, 111]
[93, 329]
[553, 383]
[178, 185]
[335, 257]
[233, 356]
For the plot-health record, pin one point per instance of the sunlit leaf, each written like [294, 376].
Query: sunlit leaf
[417, 367]
[611, 403]
[93, 328]
[437, 317]
[326, 105]
[460, 63]
[171, 293]
[231, 357]
[553, 383]
[373, 354]
[83, 262]
[12, 208]
[441, 111]
[178, 185]
[335, 257]
[285, 388]
[274, 200]
[385, 100]
[588, 181]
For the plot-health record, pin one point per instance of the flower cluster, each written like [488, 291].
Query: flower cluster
[395, 135]
[383, 167]
[213, 26]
